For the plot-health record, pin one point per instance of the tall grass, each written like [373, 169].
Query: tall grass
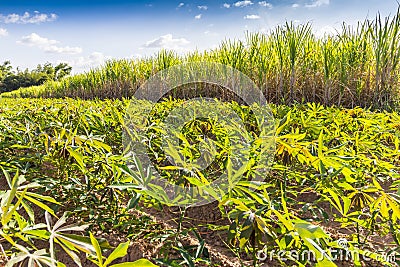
[357, 66]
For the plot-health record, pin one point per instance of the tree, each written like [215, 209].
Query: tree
[62, 70]
[5, 69]
[11, 80]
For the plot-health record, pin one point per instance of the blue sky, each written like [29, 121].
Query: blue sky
[85, 33]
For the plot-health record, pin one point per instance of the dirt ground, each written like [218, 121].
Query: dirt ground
[199, 217]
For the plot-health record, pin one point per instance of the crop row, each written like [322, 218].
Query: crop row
[331, 167]
[358, 66]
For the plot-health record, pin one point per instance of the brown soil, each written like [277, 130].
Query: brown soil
[3, 183]
[199, 217]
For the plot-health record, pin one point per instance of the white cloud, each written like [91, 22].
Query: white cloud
[197, 16]
[136, 56]
[318, 3]
[63, 50]
[226, 5]
[96, 58]
[35, 40]
[265, 4]
[202, 7]
[211, 33]
[243, 3]
[181, 5]
[47, 45]
[251, 17]
[295, 5]
[263, 30]
[324, 31]
[81, 64]
[3, 32]
[28, 18]
[168, 42]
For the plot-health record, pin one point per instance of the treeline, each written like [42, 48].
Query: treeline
[12, 79]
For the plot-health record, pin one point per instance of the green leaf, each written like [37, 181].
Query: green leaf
[8, 214]
[97, 249]
[325, 263]
[308, 230]
[138, 263]
[283, 123]
[321, 145]
[287, 223]
[45, 198]
[133, 201]
[72, 254]
[38, 233]
[186, 256]
[82, 243]
[41, 205]
[170, 168]
[119, 252]
[77, 156]
[13, 185]
[102, 145]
